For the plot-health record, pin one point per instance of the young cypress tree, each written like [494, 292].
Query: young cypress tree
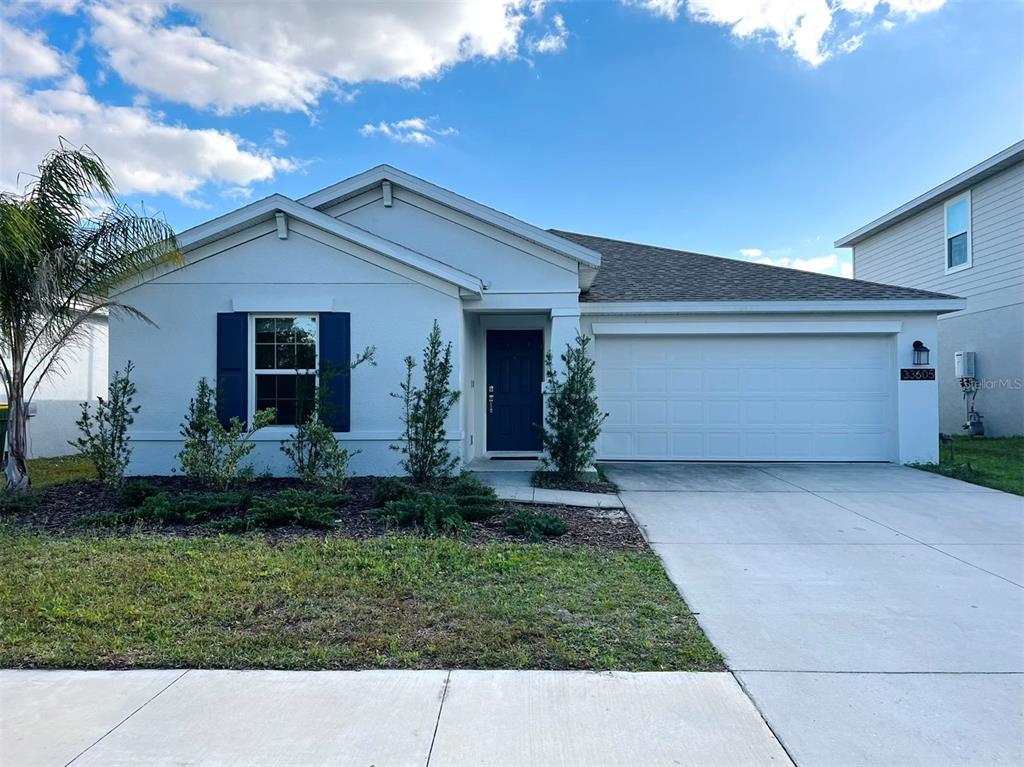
[425, 409]
[573, 419]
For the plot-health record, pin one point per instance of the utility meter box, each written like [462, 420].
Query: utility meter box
[964, 364]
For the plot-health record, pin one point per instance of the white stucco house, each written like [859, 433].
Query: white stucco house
[966, 237]
[698, 357]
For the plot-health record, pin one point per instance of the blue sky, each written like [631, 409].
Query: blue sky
[758, 129]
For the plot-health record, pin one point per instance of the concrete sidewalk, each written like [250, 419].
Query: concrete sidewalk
[380, 718]
[516, 486]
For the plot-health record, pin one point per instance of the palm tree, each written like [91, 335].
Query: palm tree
[65, 244]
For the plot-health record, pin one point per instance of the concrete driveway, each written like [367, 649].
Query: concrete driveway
[874, 613]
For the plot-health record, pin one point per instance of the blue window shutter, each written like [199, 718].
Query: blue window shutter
[232, 366]
[335, 356]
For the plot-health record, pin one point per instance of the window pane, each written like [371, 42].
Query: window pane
[957, 250]
[292, 396]
[264, 357]
[264, 330]
[305, 357]
[956, 218]
[285, 357]
[285, 332]
[305, 330]
[266, 388]
[286, 386]
[285, 412]
[305, 387]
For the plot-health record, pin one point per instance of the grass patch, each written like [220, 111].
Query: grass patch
[393, 602]
[996, 462]
[53, 471]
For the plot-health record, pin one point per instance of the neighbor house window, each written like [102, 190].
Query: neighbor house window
[284, 365]
[958, 233]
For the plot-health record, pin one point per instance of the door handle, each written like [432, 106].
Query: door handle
[490, 403]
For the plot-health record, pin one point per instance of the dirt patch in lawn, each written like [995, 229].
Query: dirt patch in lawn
[72, 507]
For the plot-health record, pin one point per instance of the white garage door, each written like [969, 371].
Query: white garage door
[747, 398]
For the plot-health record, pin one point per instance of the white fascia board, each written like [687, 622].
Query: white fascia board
[744, 328]
[1009, 156]
[336, 193]
[937, 305]
[269, 207]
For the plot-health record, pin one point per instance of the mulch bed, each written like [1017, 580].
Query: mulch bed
[549, 480]
[62, 508]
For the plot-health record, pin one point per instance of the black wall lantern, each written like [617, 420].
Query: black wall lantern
[920, 353]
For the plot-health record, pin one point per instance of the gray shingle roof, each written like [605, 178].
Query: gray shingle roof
[633, 272]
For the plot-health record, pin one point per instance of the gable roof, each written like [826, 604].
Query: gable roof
[994, 164]
[634, 272]
[362, 182]
[267, 208]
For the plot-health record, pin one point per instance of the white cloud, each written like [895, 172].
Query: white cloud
[852, 44]
[814, 30]
[279, 137]
[145, 153]
[554, 41]
[830, 264]
[751, 252]
[412, 130]
[27, 55]
[286, 55]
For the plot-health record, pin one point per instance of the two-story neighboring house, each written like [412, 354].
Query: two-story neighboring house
[964, 237]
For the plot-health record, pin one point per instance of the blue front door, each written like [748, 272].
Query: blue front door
[515, 400]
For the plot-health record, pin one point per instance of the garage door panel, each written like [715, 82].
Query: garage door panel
[747, 398]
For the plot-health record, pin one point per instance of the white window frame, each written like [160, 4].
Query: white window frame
[253, 372]
[965, 197]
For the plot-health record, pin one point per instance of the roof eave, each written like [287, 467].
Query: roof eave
[268, 207]
[998, 162]
[936, 305]
[362, 182]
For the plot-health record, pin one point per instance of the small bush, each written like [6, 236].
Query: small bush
[475, 499]
[424, 411]
[18, 503]
[434, 514]
[392, 489]
[133, 494]
[289, 507]
[212, 453]
[573, 419]
[316, 456]
[167, 509]
[104, 437]
[534, 526]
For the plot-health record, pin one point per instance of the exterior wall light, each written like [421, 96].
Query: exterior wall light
[920, 353]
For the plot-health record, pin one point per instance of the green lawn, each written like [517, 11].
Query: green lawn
[992, 462]
[244, 602]
[53, 471]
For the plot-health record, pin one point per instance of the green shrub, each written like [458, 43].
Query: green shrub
[434, 514]
[424, 411]
[572, 420]
[316, 456]
[133, 494]
[534, 526]
[18, 503]
[212, 453]
[167, 509]
[104, 437]
[289, 507]
[475, 499]
[392, 489]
